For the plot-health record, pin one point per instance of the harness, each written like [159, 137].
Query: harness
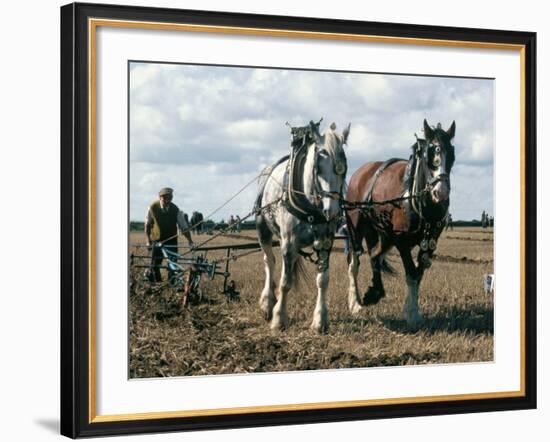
[420, 182]
[265, 175]
[431, 229]
[383, 166]
[294, 198]
[422, 177]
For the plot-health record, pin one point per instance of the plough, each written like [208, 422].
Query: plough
[186, 269]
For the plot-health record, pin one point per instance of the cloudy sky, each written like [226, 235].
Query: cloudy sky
[207, 131]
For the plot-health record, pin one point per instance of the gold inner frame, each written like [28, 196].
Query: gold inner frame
[93, 24]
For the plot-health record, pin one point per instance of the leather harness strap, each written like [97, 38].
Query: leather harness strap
[379, 171]
[267, 173]
[296, 202]
[295, 199]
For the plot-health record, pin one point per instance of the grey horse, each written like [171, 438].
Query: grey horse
[299, 202]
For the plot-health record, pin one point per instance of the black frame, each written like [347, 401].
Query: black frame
[75, 220]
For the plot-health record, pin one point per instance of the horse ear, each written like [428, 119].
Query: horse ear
[315, 126]
[451, 131]
[346, 134]
[428, 132]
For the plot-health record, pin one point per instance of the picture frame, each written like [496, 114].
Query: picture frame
[81, 202]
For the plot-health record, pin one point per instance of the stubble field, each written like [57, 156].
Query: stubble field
[216, 336]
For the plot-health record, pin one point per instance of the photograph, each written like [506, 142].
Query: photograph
[290, 219]
[273, 220]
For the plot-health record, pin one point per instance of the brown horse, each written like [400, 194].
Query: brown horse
[402, 204]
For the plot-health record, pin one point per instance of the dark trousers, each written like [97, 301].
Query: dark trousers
[344, 231]
[157, 257]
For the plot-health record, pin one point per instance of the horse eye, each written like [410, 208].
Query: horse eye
[437, 149]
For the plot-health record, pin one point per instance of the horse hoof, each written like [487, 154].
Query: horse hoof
[320, 329]
[320, 322]
[279, 322]
[414, 321]
[277, 326]
[267, 313]
[355, 308]
[266, 306]
[372, 296]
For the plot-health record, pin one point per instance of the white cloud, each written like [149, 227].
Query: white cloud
[482, 147]
[191, 126]
[375, 91]
[142, 74]
[146, 118]
[250, 133]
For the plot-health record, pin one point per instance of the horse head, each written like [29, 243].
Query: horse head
[329, 167]
[317, 172]
[439, 157]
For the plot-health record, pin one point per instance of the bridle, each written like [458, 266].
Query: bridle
[422, 167]
[298, 200]
[422, 156]
[300, 204]
[430, 228]
[340, 168]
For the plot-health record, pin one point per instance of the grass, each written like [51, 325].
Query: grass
[217, 336]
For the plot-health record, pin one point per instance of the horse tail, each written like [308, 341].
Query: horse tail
[300, 276]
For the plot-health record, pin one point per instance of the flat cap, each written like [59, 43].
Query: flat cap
[166, 191]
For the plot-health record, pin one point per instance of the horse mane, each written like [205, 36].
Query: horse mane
[411, 165]
[409, 171]
[333, 142]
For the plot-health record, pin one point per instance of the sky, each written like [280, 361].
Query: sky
[208, 131]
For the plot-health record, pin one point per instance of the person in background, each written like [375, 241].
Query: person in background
[162, 221]
[238, 223]
[343, 230]
[449, 222]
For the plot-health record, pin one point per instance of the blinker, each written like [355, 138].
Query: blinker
[339, 168]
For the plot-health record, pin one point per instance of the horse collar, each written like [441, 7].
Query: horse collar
[295, 198]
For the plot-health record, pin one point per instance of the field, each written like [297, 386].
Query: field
[216, 336]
